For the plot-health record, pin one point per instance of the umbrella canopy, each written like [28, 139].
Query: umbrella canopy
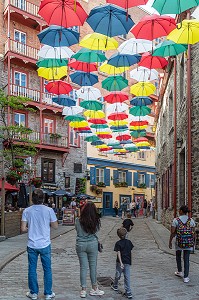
[94, 114]
[97, 142]
[134, 46]
[83, 129]
[118, 122]
[118, 116]
[78, 124]
[82, 66]
[56, 12]
[55, 52]
[64, 100]
[97, 121]
[142, 89]
[139, 110]
[144, 74]
[89, 56]
[89, 93]
[51, 63]
[83, 78]
[73, 110]
[127, 3]
[116, 97]
[105, 136]
[138, 127]
[138, 133]
[92, 138]
[114, 83]
[99, 126]
[152, 62]
[117, 107]
[8, 186]
[143, 144]
[141, 101]
[188, 33]
[97, 41]
[123, 137]
[169, 48]
[138, 123]
[52, 73]
[116, 128]
[154, 26]
[123, 60]
[58, 87]
[109, 20]
[57, 36]
[140, 139]
[91, 104]
[195, 14]
[76, 118]
[177, 7]
[112, 70]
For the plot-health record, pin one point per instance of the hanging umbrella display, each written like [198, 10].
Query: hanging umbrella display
[64, 100]
[134, 46]
[89, 56]
[57, 12]
[89, 93]
[141, 101]
[91, 104]
[118, 116]
[154, 26]
[82, 129]
[139, 110]
[188, 33]
[73, 110]
[97, 121]
[116, 97]
[142, 89]
[138, 127]
[116, 128]
[104, 136]
[82, 66]
[131, 147]
[58, 87]
[117, 107]
[83, 78]
[195, 14]
[94, 114]
[118, 122]
[51, 63]
[127, 3]
[124, 60]
[144, 74]
[55, 52]
[103, 146]
[105, 149]
[169, 48]
[76, 118]
[140, 139]
[138, 123]
[138, 133]
[143, 144]
[164, 6]
[114, 83]
[92, 138]
[111, 70]
[123, 137]
[97, 143]
[57, 36]
[78, 124]
[152, 62]
[52, 73]
[112, 142]
[97, 41]
[109, 20]
[99, 126]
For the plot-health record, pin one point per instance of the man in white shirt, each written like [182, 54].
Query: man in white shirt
[37, 220]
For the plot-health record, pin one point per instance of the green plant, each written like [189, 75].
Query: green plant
[101, 184]
[142, 185]
[13, 176]
[37, 182]
[124, 184]
[98, 191]
[93, 188]
[55, 135]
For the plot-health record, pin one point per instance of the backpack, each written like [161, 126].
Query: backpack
[184, 234]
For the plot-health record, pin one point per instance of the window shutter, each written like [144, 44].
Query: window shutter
[129, 178]
[147, 176]
[107, 177]
[135, 179]
[115, 176]
[92, 175]
[152, 183]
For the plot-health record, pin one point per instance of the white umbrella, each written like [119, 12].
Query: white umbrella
[55, 52]
[117, 107]
[134, 46]
[88, 93]
[137, 118]
[144, 74]
[85, 134]
[195, 14]
[73, 110]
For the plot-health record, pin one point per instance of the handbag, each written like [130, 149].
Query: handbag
[100, 247]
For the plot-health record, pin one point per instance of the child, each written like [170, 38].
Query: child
[128, 223]
[123, 248]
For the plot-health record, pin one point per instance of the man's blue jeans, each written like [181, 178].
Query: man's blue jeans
[186, 254]
[45, 255]
[127, 279]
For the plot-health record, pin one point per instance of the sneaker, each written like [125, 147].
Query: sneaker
[31, 296]
[49, 297]
[186, 279]
[96, 292]
[129, 295]
[179, 274]
[115, 288]
[83, 294]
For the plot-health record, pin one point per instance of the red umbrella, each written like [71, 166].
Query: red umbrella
[139, 123]
[127, 3]
[105, 136]
[105, 149]
[82, 66]
[66, 13]
[154, 26]
[123, 137]
[81, 128]
[116, 97]
[58, 87]
[140, 139]
[152, 62]
[8, 186]
[97, 121]
[117, 116]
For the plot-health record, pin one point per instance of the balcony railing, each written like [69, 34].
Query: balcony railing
[25, 6]
[21, 49]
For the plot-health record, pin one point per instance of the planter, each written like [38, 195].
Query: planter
[101, 184]
[121, 184]
[98, 191]
[142, 186]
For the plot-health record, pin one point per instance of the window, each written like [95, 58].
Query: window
[20, 81]
[77, 168]
[49, 126]
[141, 178]
[121, 176]
[99, 175]
[48, 170]
[45, 83]
[20, 41]
[19, 119]
[141, 155]
[74, 139]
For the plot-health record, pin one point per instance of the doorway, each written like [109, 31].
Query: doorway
[107, 204]
[140, 199]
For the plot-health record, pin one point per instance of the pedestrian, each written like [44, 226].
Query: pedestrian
[128, 223]
[137, 208]
[73, 203]
[132, 207]
[87, 247]
[54, 208]
[183, 228]
[123, 247]
[124, 207]
[116, 209]
[37, 220]
[145, 204]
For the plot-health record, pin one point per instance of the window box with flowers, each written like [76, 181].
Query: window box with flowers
[13, 176]
[93, 188]
[101, 184]
[121, 184]
[37, 182]
[142, 185]
[98, 191]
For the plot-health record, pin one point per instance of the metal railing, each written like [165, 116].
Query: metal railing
[25, 6]
[21, 49]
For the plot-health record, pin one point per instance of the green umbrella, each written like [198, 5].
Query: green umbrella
[117, 147]
[92, 138]
[132, 149]
[113, 143]
[114, 83]
[75, 118]
[169, 48]
[97, 126]
[87, 55]
[118, 130]
[51, 63]
[139, 110]
[174, 6]
[91, 104]
[138, 133]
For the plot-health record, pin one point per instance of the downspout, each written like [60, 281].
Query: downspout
[175, 139]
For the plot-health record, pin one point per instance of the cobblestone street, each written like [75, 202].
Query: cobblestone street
[152, 270]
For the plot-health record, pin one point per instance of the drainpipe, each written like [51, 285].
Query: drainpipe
[175, 139]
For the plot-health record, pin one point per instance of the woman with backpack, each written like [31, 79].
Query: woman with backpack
[183, 228]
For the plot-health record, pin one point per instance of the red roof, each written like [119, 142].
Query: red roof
[8, 186]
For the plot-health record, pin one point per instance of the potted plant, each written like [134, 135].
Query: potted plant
[124, 184]
[101, 184]
[13, 176]
[117, 184]
[93, 188]
[98, 191]
[55, 135]
[142, 185]
[37, 182]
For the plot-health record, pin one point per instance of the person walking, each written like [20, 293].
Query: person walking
[87, 247]
[183, 228]
[128, 223]
[145, 204]
[137, 208]
[37, 220]
[123, 247]
[116, 209]
[132, 207]
[124, 207]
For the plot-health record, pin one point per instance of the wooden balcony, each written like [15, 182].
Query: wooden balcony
[21, 51]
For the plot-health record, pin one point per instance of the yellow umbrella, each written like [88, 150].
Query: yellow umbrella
[142, 144]
[52, 73]
[103, 146]
[111, 70]
[188, 33]
[98, 41]
[103, 132]
[120, 150]
[138, 127]
[77, 124]
[98, 114]
[142, 88]
[118, 123]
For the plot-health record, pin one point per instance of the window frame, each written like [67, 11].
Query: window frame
[54, 124]
[122, 176]
[44, 160]
[141, 178]
[143, 154]
[100, 177]
[75, 170]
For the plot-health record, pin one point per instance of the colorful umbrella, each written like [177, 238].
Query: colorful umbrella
[116, 128]
[51, 63]
[97, 126]
[154, 26]
[91, 104]
[64, 100]
[138, 127]
[141, 101]
[82, 66]
[105, 149]
[97, 41]
[116, 97]
[57, 36]
[55, 52]
[117, 107]
[112, 143]
[127, 3]
[82, 129]
[76, 118]
[152, 62]
[118, 116]
[111, 70]
[169, 48]
[140, 139]
[89, 56]
[94, 114]
[97, 121]
[118, 122]
[83, 78]
[123, 137]
[188, 33]
[142, 89]
[109, 20]
[78, 124]
[134, 46]
[52, 73]
[56, 12]
[138, 123]
[114, 83]
[92, 138]
[58, 87]
[97, 143]
[137, 133]
[73, 110]
[144, 74]
[143, 144]
[131, 147]
[176, 7]
[105, 136]
[89, 93]
[124, 60]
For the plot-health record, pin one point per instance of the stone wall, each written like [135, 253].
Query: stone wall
[12, 223]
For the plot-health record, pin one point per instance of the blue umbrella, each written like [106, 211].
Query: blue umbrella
[123, 60]
[125, 142]
[97, 143]
[84, 131]
[83, 78]
[57, 36]
[64, 100]
[141, 101]
[119, 127]
[110, 20]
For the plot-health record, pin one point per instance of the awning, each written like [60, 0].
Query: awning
[8, 186]
[63, 193]
[86, 196]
